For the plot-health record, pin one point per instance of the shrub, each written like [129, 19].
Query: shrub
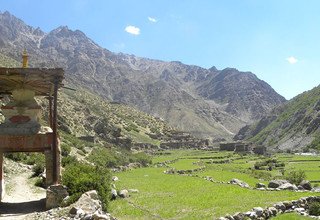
[37, 169]
[314, 208]
[68, 160]
[65, 149]
[141, 158]
[296, 176]
[40, 183]
[260, 174]
[80, 178]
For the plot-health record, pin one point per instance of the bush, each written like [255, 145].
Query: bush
[40, 183]
[65, 149]
[68, 160]
[80, 178]
[260, 174]
[314, 208]
[141, 158]
[296, 176]
[37, 169]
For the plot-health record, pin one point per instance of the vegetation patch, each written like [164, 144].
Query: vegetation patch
[80, 178]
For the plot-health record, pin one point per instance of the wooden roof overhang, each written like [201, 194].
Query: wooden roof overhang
[40, 80]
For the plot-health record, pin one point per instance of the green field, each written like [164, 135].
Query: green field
[173, 196]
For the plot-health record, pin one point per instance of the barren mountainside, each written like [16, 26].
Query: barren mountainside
[207, 102]
[295, 125]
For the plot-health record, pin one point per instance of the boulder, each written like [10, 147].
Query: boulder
[114, 194]
[258, 211]
[238, 216]
[261, 185]
[240, 183]
[280, 206]
[305, 184]
[115, 178]
[55, 195]
[123, 193]
[89, 202]
[316, 189]
[229, 217]
[288, 204]
[273, 210]
[288, 186]
[276, 183]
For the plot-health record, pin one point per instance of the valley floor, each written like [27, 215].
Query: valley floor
[203, 191]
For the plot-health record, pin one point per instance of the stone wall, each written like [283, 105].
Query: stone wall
[238, 147]
[300, 206]
[227, 146]
[261, 150]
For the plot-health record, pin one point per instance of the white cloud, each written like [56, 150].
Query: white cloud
[132, 30]
[152, 19]
[292, 60]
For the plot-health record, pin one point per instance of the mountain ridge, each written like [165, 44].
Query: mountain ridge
[171, 90]
[294, 125]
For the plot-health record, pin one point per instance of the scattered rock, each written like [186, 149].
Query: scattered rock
[89, 202]
[114, 194]
[288, 186]
[238, 216]
[123, 193]
[115, 178]
[240, 183]
[261, 185]
[98, 216]
[305, 184]
[133, 190]
[276, 183]
[258, 211]
[316, 189]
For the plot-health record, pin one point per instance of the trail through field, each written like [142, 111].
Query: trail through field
[21, 198]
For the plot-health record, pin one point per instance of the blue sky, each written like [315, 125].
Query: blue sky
[278, 40]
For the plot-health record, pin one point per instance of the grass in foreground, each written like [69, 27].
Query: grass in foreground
[184, 197]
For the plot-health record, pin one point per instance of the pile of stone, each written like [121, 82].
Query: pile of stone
[88, 207]
[301, 206]
[277, 185]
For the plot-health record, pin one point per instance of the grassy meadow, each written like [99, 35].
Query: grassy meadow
[173, 196]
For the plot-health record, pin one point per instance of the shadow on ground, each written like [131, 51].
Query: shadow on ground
[7, 208]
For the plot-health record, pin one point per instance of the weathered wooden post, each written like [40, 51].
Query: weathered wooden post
[2, 191]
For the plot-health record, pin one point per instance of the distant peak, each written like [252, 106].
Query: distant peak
[229, 69]
[213, 69]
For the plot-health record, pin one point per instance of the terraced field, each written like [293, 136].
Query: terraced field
[191, 196]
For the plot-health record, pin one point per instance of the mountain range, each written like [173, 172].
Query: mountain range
[209, 103]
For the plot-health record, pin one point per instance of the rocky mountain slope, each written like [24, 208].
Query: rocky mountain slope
[206, 102]
[294, 125]
[88, 116]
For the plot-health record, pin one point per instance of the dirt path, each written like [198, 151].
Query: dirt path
[22, 197]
